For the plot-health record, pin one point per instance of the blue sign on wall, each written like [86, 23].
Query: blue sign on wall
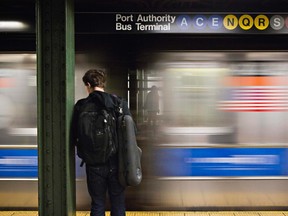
[225, 162]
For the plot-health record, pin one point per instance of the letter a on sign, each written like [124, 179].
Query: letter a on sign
[184, 22]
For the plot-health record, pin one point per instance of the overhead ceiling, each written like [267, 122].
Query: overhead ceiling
[28, 6]
[182, 5]
[25, 10]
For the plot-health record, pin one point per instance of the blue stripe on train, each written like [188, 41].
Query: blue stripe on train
[18, 163]
[221, 162]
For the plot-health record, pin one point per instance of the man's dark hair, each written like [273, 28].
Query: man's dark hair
[95, 77]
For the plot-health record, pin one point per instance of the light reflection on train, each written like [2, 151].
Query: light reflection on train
[220, 115]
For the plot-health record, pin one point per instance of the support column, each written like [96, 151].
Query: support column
[55, 75]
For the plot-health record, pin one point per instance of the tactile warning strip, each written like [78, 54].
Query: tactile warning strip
[164, 213]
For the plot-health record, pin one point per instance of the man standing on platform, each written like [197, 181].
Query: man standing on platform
[101, 176]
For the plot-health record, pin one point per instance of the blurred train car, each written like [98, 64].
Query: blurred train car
[219, 140]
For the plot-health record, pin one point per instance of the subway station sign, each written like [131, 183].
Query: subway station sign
[186, 23]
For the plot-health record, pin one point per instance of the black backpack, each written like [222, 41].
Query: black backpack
[97, 137]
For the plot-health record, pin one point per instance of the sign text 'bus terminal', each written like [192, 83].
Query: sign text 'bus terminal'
[198, 23]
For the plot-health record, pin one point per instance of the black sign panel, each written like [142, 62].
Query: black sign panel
[181, 23]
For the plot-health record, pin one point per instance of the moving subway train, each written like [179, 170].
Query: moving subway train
[218, 139]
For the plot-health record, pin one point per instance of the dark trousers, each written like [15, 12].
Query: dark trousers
[101, 179]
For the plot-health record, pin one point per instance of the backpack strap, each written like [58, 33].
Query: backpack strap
[119, 104]
[82, 163]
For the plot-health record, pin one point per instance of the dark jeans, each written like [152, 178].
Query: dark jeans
[101, 179]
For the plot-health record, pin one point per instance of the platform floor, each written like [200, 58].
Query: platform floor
[165, 213]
